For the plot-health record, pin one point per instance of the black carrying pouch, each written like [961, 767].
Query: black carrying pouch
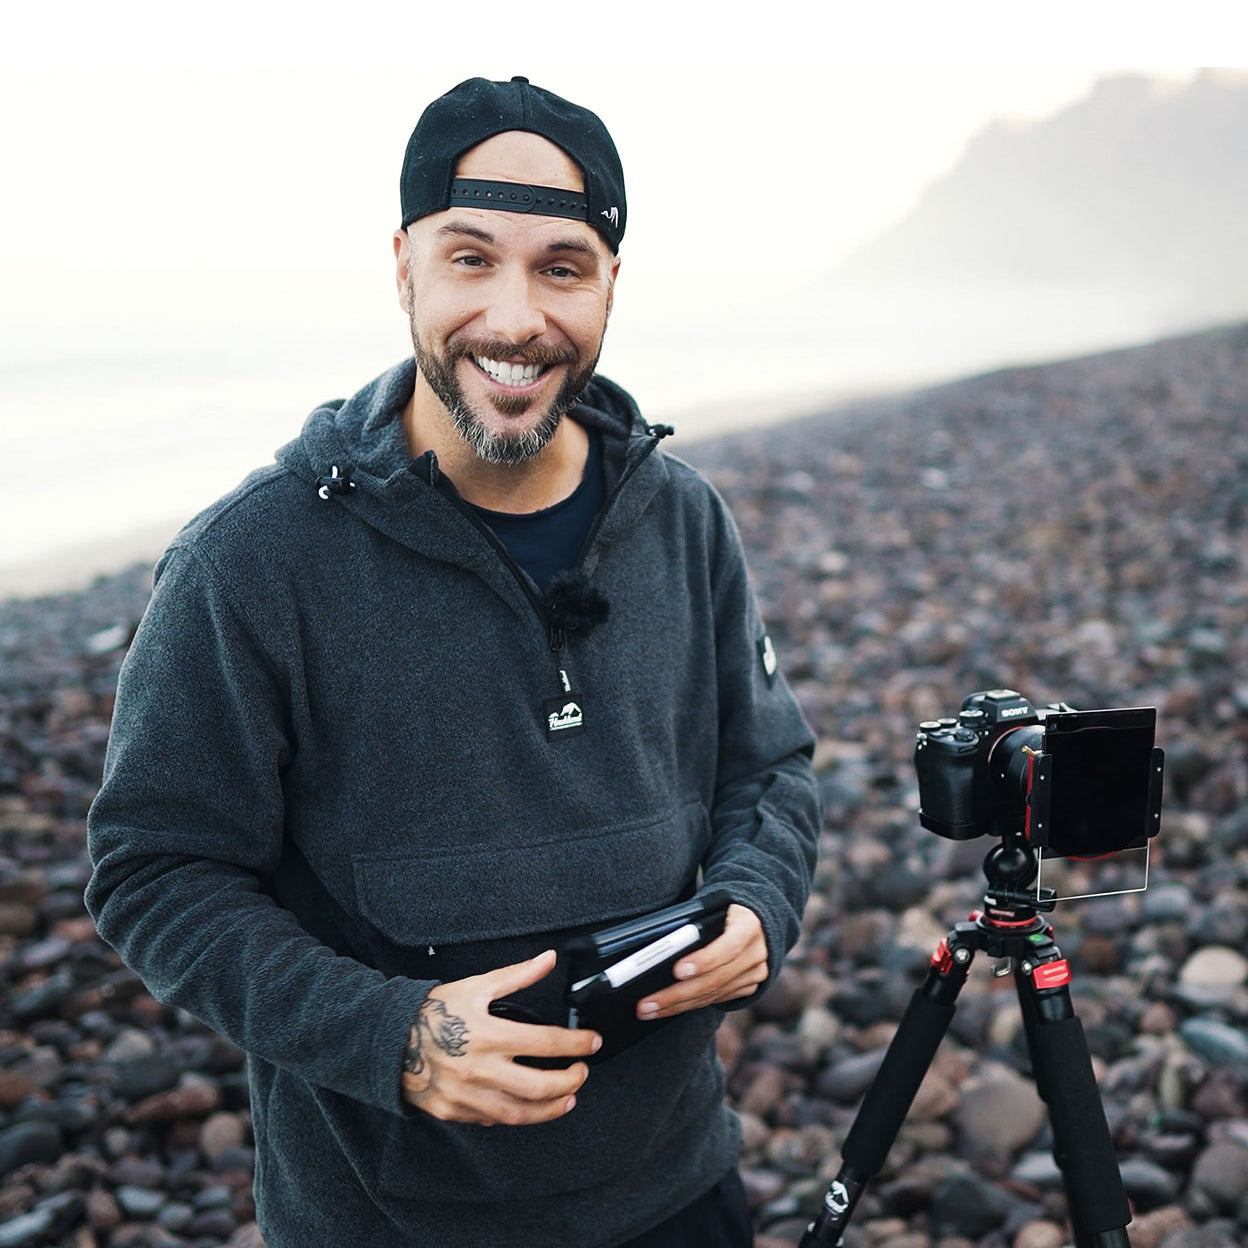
[609, 971]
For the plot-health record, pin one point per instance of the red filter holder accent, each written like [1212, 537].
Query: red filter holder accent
[942, 959]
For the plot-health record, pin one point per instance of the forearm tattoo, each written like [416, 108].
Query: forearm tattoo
[437, 1026]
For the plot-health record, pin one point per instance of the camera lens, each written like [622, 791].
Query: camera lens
[1009, 765]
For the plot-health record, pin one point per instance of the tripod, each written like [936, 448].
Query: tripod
[1009, 926]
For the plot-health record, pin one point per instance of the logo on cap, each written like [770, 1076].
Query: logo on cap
[612, 214]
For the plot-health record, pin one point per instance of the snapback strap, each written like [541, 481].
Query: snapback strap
[547, 201]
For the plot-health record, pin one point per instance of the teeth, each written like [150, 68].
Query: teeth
[508, 374]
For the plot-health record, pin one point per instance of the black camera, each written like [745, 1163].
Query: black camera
[1077, 784]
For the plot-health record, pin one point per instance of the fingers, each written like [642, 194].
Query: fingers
[702, 991]
[527, 1039]
[459, 1063]
[731, 966]
[508, 979]
[497, 1109]
[505, 1094]
[534, 1040]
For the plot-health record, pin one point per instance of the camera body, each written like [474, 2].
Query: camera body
[1077, 783]
[951, 756]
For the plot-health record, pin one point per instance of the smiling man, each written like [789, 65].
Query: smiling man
[528, 298]
[473, 669]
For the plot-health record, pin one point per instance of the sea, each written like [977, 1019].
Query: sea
[113, 441]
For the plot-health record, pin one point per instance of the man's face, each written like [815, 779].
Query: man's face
[507, 310]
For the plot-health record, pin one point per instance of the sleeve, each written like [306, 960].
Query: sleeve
[189, 822]
[766, 815]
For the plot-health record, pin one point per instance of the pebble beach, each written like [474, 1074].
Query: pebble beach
[1077, 531]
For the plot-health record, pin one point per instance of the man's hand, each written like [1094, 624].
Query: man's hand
[731, 966]
[458, 1064]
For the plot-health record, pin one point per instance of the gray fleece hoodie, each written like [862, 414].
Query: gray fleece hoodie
[332, 783]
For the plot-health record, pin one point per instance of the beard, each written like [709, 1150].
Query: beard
[494, 446]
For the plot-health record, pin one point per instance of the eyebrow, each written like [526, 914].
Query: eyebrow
[452, 228]
[461, 229]
[574, 244]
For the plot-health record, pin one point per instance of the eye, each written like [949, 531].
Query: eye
[561, 270]
[469, 262]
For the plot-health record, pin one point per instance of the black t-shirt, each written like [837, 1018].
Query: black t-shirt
[547, 542]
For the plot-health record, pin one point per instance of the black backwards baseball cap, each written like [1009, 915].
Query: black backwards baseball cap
[478, 109]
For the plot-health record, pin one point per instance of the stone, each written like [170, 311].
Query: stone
[176, 1216]
[1165, 902]
[17, 918]
[217, 1224]
[221, 1132]
[1157, 1019]
[29, 1142]
[765, 1092]
[14, 1088]
[42, 1066]
[908, 1239]
[1214, 966]
[1222, 1095]
[784, 999]
[130, 1045]
[140, 1202]
[103, 1211]
[1148, 1185]
[1039, 1235]
[820, 1028]
[847, 1080]
[136, 1172]
[1037, 1170]
[49, 1218]
[42, 999]
[761, 1186]
[43, 954]
[27, 1229]
[138, 1078]
[1215, 1041]
[1151, 1230]
[754, 1131]
[998, 1114]
[936, 1098]
[189, 1100]
[967, 1205]
[1221, 1172]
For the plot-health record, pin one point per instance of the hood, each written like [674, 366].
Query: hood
[355, 452]
[363, 436]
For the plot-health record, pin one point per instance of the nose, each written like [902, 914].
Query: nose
[514, 313]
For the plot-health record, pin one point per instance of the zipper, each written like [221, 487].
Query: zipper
[619, 485]
[452, 496]
[555, 635]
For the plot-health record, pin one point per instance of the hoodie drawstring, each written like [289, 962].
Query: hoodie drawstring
[337, 482]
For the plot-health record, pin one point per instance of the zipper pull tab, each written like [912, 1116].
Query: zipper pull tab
[567, 684]
[557, 638]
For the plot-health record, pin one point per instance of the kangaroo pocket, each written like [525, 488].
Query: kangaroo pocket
[469, 890]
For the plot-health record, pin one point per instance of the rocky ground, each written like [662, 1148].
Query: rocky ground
[1078, 532]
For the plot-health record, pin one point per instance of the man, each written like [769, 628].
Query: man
[471, 668]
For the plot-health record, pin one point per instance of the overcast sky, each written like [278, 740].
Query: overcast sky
[196, 202]
[173, 169]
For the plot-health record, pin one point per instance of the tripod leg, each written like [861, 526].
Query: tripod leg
[1082, 1147]
[888, 1100]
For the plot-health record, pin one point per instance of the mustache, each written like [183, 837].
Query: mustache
[540, 353]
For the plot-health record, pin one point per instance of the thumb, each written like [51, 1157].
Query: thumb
[519, 975]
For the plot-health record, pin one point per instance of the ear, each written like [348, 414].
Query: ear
[402, 268]
[615, 268]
